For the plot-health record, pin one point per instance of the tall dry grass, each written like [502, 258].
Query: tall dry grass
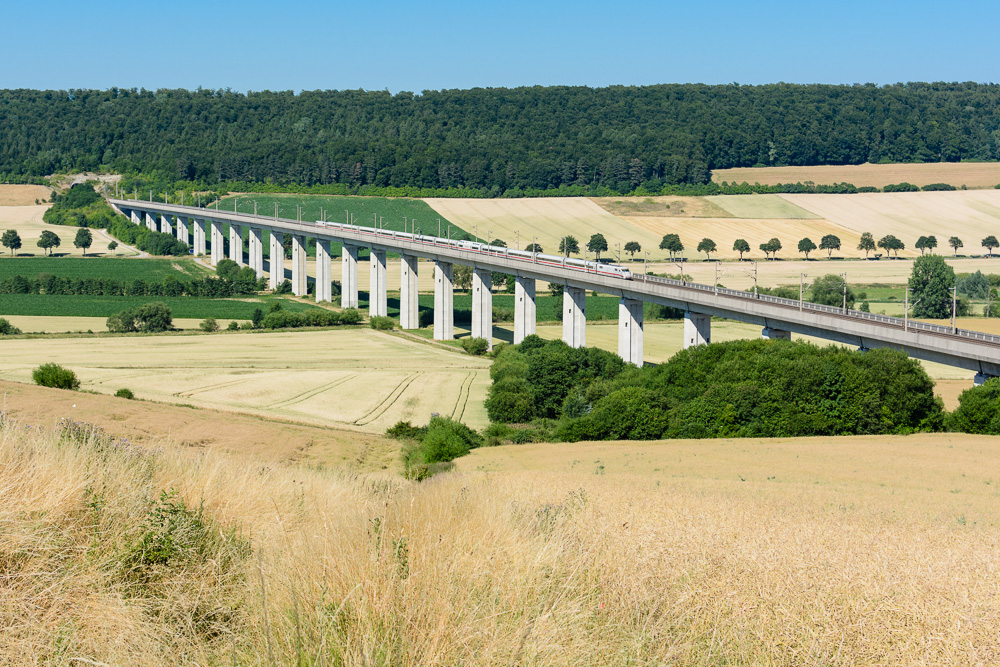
[283, 565]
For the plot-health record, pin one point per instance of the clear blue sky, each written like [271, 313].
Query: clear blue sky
[311, 44]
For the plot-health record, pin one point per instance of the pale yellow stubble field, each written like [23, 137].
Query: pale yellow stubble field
[970, 174]
[27, 222]
[356, 379]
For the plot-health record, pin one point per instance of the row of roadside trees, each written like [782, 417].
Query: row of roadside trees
[48, 240]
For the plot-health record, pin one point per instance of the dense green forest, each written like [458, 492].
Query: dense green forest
[494, 139]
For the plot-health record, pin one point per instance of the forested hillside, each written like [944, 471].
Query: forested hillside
[493, 139]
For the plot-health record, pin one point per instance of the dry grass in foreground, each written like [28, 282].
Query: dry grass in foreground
[574, 563]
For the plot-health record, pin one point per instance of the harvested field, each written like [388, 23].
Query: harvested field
[27, 221]
[663, 207]
[357, 379]
[755, 207]
[970, 174]
[23, 195]
[970, 215]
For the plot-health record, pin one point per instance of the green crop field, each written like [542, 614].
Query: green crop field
[122, 268]
[105, 306]
[598, 307]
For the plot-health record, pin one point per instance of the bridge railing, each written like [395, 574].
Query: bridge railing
[914, 325]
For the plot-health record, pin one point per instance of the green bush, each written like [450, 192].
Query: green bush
[978, 410]
[475, 346]
[125, 393]
[209, 325]
[632, 413]
[382, 323]
[8, 329]
[443, 440]
[53, 375]
[233, 326]
[350, 316]
[151, 317]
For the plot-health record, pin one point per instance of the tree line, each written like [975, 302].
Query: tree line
[493, 140]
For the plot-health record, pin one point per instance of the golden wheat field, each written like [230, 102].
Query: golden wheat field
[764, 552]
[357, 379]
[27, 222]
[970, 174]
[23, 195]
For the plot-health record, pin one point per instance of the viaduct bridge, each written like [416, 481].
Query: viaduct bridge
[970, 350]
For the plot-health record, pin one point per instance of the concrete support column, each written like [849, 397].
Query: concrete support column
[630, 326]
[324, 289]
[524, 308]
[151, 222]
[182, 230]
[236, 243]
[575, 316]
[444, 302]
[135, 216]
[276, 274]
[981, 379]
[776, 334]
[299, 284]
[198, 227]
[257, 251]
[409, 307]
[378, 305]
[349, 277]
[697, 329]
[165, 225]
[482, 304]
[218, 243]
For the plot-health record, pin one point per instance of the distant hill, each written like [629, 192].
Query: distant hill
[495, 140]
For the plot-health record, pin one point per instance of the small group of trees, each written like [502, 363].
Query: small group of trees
[48, 240]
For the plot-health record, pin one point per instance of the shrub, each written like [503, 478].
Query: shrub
[632, 413]
[54, 375]
[209, 325]
[402, 430]
[233, 326]
[350, 316]
[382, 323]
[978, 410]
[442, 441]
[8, 329]
[125, 393]
[475, 346]
[257, 318]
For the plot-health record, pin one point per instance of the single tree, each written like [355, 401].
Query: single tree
[11, 239]
[597, 244]
[771, 248]
[955, 244]
[498, 243]
[867, 243]
[568, 245]
[672, 244]
[633, 247]
[534, 247]
[707, 246]
[830, 291]
[47, 241]
[930, 285]
[462, 277]
[113, 246]
[806, 246]
[741, 246]
[990, 242]
[84, 239]
[830, 242]
[926, 243]
[890, 243]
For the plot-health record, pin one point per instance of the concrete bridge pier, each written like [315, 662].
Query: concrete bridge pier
[276, 275]
[256, 239]
[524, 308]
[134, 215]
[775, 334]
[324, 288]
[409, 306]
[349, 276]
[482, 304]
[165, 225]
[218, 243]
[182, 230]
[697, 329]
[630, 330]
[198, 226]
[299, 283]
[236, 243]
[981, 379]
[575, 316]
[151, 222]
[378, 305]
[444, 302]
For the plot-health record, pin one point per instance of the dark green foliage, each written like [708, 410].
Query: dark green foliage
[84, 239]
[707, 246]
[829, 291]
[154, 317]
[741, 246]
[901, 187]
[568, 245]
[978, 410]
[990, 243]
[48, 240]
[890, 243]
[210, 325]
[672, 244]
[935, 187]
[630, 413]
[8, 329]
[233, 326]
[442, 441]
[313, 317]
[926, 243]
[227, 268]
[806, 246]
[974, 285]
[11, 239]
[257, 318]
[597, 244]
[405, 431]
[771, 248]
[631, 247]
[475, 346]
[930, 285]
[867, 243]
[54, 375]
[382, 323]
[125, 393]
[829, 242]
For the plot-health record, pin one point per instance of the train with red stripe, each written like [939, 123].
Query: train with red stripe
[589, 266]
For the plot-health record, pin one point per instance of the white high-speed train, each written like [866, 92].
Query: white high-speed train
[588, 266]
